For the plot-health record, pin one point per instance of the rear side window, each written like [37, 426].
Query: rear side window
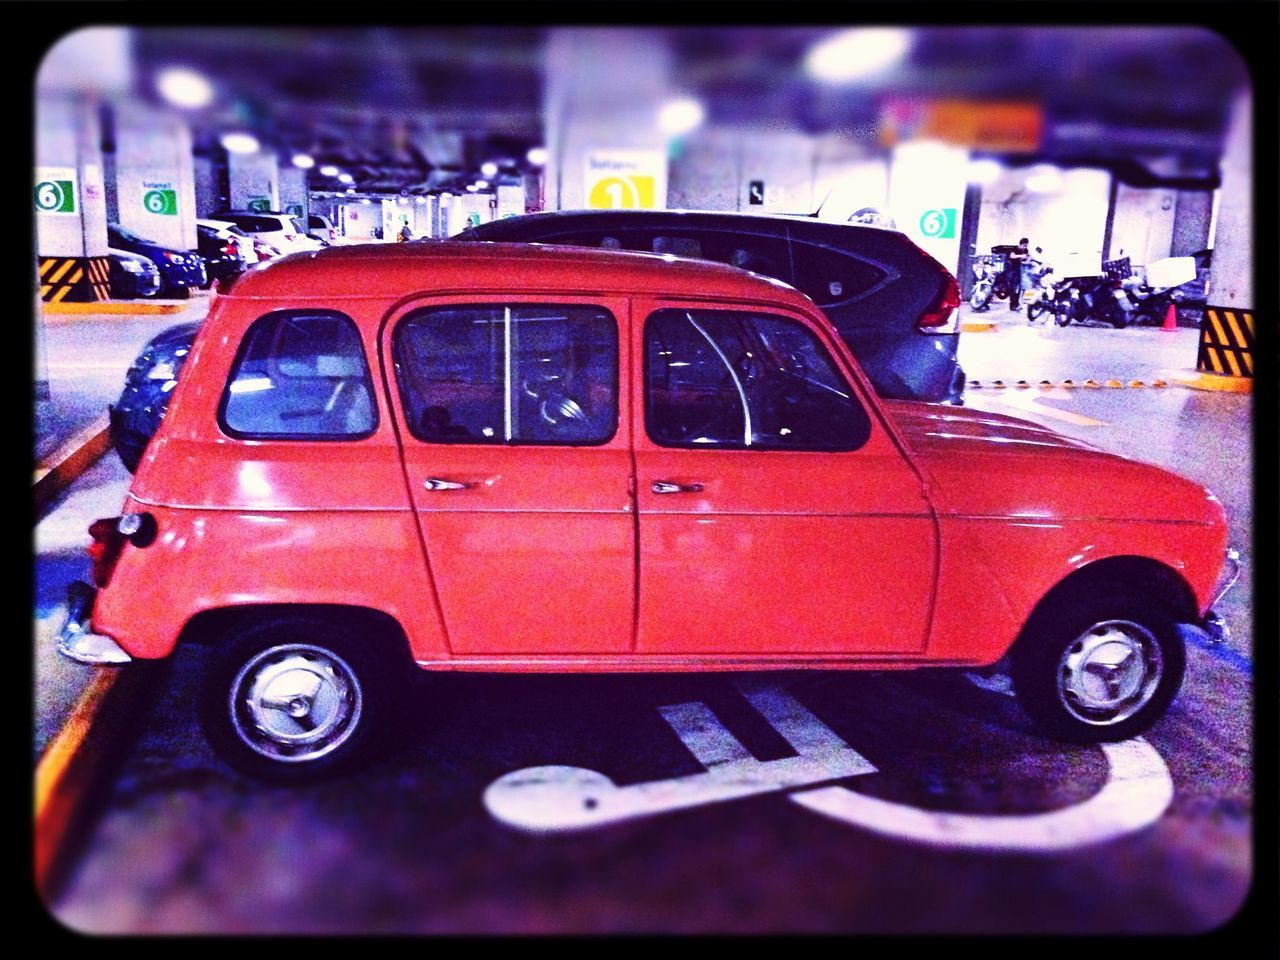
[300, 374]
[509, 374]
[723, 378]
[829, 276]
[251, 224]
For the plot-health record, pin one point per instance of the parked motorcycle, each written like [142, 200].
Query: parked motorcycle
[991, 278]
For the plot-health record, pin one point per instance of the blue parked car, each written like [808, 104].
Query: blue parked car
[892, 303]
[180, 270]
[136, 416]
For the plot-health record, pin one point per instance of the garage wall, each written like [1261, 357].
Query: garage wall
[253, 175]
[67, 136]
[361, 219]
[293, 190]
[1069, 223]
[1192, 215]
[1143, 225]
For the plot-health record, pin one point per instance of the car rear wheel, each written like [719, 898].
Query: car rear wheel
[296, 699]
[1098, 669]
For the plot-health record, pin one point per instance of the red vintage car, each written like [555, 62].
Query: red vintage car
[502, 458]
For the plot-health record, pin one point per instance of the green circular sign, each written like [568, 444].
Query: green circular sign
[153, 200]
[49, 195]
[933, 223]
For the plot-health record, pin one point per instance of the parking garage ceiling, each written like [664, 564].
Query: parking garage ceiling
[378, 99]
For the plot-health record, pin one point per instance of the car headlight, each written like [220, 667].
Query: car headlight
[131, 266]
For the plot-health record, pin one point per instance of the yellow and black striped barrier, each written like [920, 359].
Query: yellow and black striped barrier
[74, 279]
[1226, 342]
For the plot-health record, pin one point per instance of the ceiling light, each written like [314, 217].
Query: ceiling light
[489, 168]
[351, 191]
[482, 184]
[184, 88]
[1044, 179]
[984, 171]
[329, 170]
[537, 156]
[365, 200]
[303, 161]
[346, 178]
[680, 116]
[403, 200]
[856, 53]
[239, 142]
[419, 199]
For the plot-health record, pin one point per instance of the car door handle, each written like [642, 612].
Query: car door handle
[665, 486]
[435, 483]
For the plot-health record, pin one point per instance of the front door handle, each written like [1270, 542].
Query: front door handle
[665, 486]
[435, 483]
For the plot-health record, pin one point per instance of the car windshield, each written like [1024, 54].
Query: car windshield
[297, 225]
[255, 224]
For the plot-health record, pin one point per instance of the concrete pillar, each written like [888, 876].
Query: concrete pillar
[1142, 228]
[604, 87]
[210, 187]
[1231, 277]
[359, 220]
[1192, 213]
[254, 180]
[70, 199]
[154, 182]
[927, 184]
[510, 201]
[293, 192]
[846, 182]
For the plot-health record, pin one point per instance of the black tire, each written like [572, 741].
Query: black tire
[1035, 309]
[354, 701]
[1062, 317]
[980, 298]
[1061, 632]
[1143, 318]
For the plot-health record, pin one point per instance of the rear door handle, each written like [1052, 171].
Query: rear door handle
[435, 483]
[665, 486]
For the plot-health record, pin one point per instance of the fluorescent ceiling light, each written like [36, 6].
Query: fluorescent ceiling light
[680, 116]
[1044, 180]
[472, 188]
[346, 178]
[856, 53]
[365, 200]
[489, 168]
[184, 88]
[482, 184]
[419, 199]
[351, 191]
[329, 170]
[537, 156]
[239, 142]
[303, 161]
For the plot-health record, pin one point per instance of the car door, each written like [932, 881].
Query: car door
[776, 514]
[516, 445]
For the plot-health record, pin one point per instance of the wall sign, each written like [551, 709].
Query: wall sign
[55, 190]
[259, 204]
[294, 209]
[626, 179]
[939, 222]
[159, 198]
[755, 192]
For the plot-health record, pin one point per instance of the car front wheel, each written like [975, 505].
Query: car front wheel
[295, 699]
[1099, 670]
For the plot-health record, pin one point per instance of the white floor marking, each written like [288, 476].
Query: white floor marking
[554, 799]
[1137, 792]
[1031, 402]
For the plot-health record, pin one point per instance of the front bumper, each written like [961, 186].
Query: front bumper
[75, 639]
[1212, 629]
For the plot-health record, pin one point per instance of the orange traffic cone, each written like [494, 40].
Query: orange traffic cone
[1170, 319]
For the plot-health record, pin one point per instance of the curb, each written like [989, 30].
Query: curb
[1092, 384]
[1218, 382]
[60, 469]
[74, 761]
[116, 307]
[978, 326]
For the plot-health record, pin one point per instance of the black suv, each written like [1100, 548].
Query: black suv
[891, 302]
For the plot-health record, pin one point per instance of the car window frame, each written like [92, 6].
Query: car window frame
[856, 394]
[394, 373]
[242, 348]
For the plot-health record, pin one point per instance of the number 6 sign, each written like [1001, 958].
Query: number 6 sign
[55, 190]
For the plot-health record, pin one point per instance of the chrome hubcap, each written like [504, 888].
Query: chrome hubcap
[1110, 672]
[295, 702]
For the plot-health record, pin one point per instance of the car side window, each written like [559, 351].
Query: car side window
[509, 374]
[829, 276]
[726, 378]
[300, 374]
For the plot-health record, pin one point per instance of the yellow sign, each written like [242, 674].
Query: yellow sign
[626, 180]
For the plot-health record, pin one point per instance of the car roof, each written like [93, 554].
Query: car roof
[622, 218]
[382, 270]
